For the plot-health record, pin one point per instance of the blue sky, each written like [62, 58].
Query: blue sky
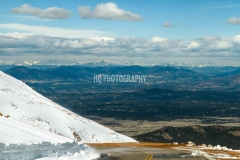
[155, 31]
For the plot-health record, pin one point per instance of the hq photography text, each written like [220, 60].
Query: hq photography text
[102, 78]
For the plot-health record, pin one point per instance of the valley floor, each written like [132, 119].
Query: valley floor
[133, 128]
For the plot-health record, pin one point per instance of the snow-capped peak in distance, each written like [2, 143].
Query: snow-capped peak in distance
[102, 63]
[21, 103]
[105, 63]
[99, 63]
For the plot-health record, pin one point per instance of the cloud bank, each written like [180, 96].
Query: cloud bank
[211, 46]
[49, 13]
[108, 11]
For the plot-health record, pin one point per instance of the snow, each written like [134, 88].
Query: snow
[22, 141]
[23, 104]
[47, 150]
[99, 63]
[212, 156]
[77, 156]
[211, 152]
[199, 153]
[14, 132]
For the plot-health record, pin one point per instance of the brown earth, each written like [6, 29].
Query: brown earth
[174, 148]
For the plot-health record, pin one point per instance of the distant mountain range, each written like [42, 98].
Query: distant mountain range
[103, 63]
[175, 78]
[72, 63]
[76, 73]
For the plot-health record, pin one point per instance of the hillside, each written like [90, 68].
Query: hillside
[15, 132]
[214, 135]
[22, 103]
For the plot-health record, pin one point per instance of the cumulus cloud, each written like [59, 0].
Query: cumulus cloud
[49, 13]
[52, 31]
[234, 20]
[237, 39]
[194, 45]
[158, 39]
[224, 45]
[108, 11]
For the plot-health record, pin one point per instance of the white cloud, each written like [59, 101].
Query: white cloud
[224, 45]
[109, 11]
[52, 31]
[169, 24]
[234, 20]
[194, 45]
[237, 39]
[49, 13]
[166, 24]
[103, 38]
[158, 39]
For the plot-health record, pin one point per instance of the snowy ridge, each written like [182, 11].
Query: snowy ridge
[106, 63]
[22, 103]
[99, 63]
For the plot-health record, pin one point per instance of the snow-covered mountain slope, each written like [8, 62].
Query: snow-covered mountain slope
[22, 141]
[15, 132]
[22, 103]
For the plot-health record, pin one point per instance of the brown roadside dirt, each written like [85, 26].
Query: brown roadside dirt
[151, 145]
[163, 146]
